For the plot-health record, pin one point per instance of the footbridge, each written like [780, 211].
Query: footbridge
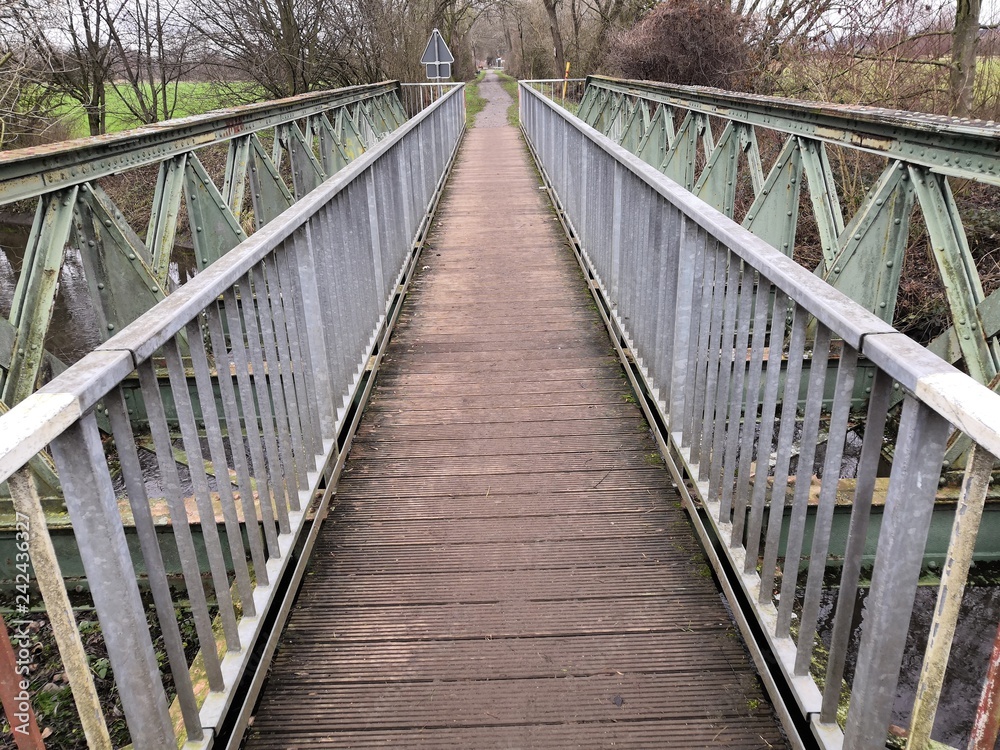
[492, 437]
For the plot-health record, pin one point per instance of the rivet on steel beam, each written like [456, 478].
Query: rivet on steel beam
[111, 326]
[888, 264]
[131, 256]
[100, 285]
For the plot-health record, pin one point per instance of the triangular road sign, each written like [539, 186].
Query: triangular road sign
[436, 51]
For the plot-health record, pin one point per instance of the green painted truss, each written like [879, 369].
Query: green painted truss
[277, 152]
[671, 128]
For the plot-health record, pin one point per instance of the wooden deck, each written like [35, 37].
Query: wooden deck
[507, 565]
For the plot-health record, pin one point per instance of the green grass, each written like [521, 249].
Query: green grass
[510, 86]
[193, 98]
[474, 101]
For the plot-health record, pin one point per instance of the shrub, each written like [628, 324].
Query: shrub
[694, 42]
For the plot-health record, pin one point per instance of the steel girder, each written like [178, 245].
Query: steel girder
[862, 256]
[128, 272]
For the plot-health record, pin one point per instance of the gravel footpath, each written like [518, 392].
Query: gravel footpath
[494, 115]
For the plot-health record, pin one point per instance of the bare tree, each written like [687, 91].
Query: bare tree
[282, 47]
[72, 39]
[965, 38]
[551, 10]
[152, 43]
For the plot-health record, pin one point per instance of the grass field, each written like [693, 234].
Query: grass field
[193, 98]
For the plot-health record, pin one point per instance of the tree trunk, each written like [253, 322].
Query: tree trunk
[557, 43]
[963, 56]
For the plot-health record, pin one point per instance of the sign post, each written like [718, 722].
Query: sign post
[437, 58]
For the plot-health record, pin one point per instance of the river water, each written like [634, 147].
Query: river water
[74, 330]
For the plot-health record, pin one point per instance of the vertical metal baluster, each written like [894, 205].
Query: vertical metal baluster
[649, 274]
[217, 451]
[772, 381]
[332, 289]
[668, 247]
[762, 303]
[315, 345]
[365, 301]
[238, 351]
[279, 377]
[156, 572]
[857, 536]
[712, 360]
[347, 289]
[234, 429]
[199, 480]
[786, 432]
[31, 521]
[284, 329]
[263, 387]
[803, 478]
[839, 417]
[276, 384]
[97, 525]
[357, 297]
[954, 575]
[375, 201]
[298, 342]
[699, 339]
[905, 522]
[738, 397]
[690, 268]
[727, 360]
[180, 523]
[328, 276]
[661, 298]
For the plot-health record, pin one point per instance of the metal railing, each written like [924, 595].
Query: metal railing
[769, 149]
[283, 332]
[416, 97]
[265, 157]
[553, 88]
[727, 335]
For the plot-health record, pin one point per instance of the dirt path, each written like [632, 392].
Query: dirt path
[497, 101]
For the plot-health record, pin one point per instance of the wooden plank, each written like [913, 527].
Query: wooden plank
[506, 563]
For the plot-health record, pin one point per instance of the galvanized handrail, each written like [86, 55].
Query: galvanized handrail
[670, 127]
[277, 152]
[283, 332]
[574, 88]
[728, 335]
[417, 96]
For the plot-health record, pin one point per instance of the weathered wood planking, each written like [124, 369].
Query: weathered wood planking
[507, 565]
